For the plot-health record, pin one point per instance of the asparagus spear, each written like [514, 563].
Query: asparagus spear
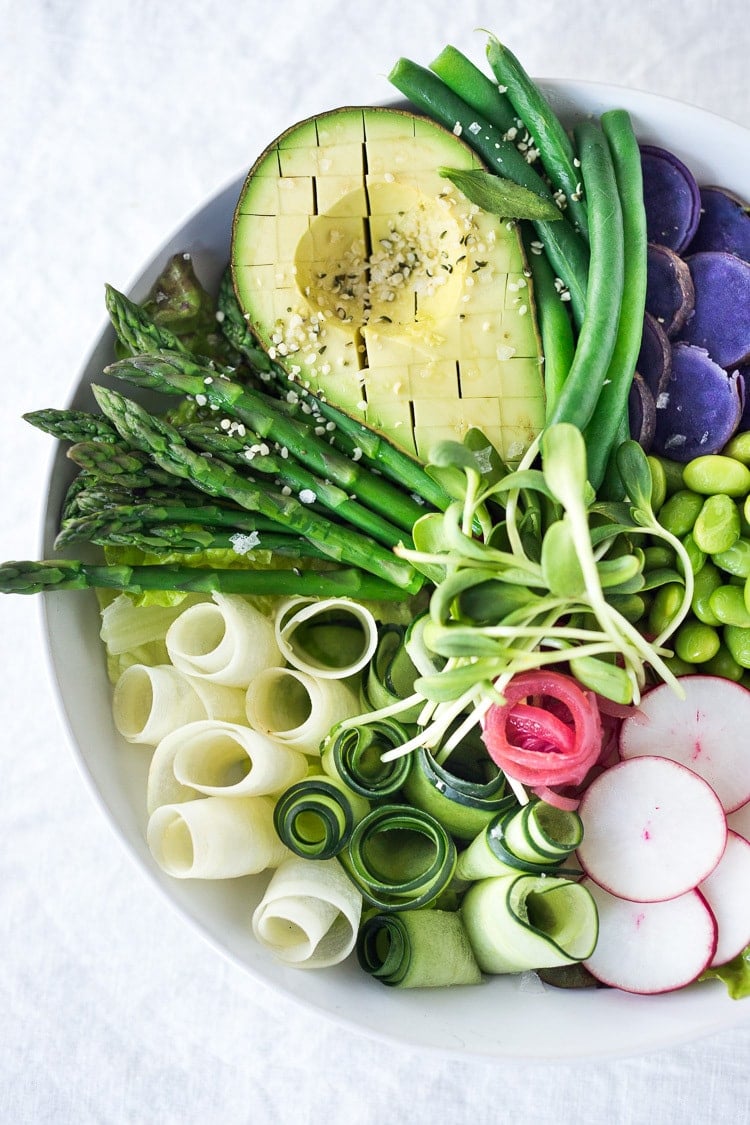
[131, 509]
[169, 452]
[72, 425]
[131, 468]
[29, 577]
[120, 532]
[174, 373]
[236, 451]
[134, 327]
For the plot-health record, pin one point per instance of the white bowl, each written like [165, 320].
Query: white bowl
[501, 1018]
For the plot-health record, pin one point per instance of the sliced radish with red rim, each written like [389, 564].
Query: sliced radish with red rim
[707, 731]
[726, 892]
[651, 947]
[652, 829]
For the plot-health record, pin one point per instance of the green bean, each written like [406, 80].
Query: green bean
[727, 603]
[737, 640]
[598, 333]
[679, 513]
[477, 90]
[714, 473]
[612, 406]
[556, 330]
[717, 527]
[695, 642]
[565, 248]
[706, 581]
[556, 151]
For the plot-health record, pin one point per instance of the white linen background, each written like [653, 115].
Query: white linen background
[116, 120]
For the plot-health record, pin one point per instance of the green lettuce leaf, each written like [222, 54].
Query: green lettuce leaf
[735, 974]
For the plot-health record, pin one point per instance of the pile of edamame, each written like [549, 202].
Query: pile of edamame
[706, 504]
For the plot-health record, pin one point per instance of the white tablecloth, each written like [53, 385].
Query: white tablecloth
[116, 120]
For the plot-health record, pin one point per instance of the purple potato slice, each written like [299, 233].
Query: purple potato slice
[655, 357]
[641, 413]
[700, 408]
[720, 321]
[670, 295]
[671, 198]
[724, 223]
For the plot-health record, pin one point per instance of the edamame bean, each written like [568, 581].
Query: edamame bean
[735, 560]
[680, 511]
[672, 473]
[738, 447]
[728, 604]
[658, 482]
[664, 607]
[706, 581]
[695, 643]
[679, 667]
[724, 665]
[737, 640]
[715, 473]
[631, 606]
[717, 527]
[657, 556]
[695, 555]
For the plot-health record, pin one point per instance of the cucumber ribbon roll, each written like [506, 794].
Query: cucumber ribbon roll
[316, 817]
[400, 858]
[353, 754]
[417, 949]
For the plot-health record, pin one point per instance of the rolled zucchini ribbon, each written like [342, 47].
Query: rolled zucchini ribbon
[521, 922]
[309, 914]
[209, 757]
[417, 949]
[316, 817]
[215, 837]
[296, 708]
[462, 806]
[390, 674]
[534, 839]
[353, 754]
[151, 701]
[331, 638]
[400, 858]
[226, 641]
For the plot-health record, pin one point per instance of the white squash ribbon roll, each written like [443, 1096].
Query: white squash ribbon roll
[219, 701]
[310, 913]
[215, 838]
[296, 708]
[150, 702]
[331, 638]
[225, 759]
[226, 641]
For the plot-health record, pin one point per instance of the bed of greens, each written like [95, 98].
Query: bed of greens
[427, 584]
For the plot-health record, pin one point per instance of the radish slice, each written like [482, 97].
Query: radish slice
[652, 829]
[739, 821]
[706, 731]
[725, 891]
[651, 947]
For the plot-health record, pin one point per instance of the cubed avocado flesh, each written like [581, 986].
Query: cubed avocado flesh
[367, 275]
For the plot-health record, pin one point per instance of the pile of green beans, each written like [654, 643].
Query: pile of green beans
[590, 289]
[706, 504]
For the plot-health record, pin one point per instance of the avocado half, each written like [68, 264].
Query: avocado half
[368, 276]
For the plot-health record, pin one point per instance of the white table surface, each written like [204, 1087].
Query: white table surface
[116, 120]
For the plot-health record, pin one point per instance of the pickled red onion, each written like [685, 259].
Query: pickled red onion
[532, 744]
